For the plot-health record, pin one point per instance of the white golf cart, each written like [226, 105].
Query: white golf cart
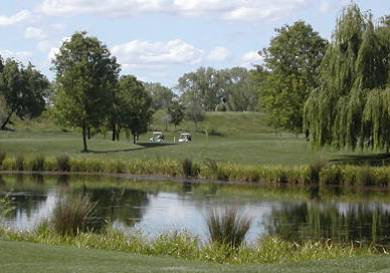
[158, 137]
[185, 138]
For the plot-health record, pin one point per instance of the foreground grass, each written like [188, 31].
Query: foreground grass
[24, 257]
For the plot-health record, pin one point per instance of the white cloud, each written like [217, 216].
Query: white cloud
[107, 7]
[243, 10]
[250, 59]
[144, 53]
[23, 56]
[16, 18]
[34, 33]
[219, 54]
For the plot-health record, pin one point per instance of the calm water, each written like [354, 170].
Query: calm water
[158, 207]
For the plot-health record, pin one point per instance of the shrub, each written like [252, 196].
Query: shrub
[190, 169]
[38, 164]
[74, 215]
[63, 163]
[19, 163]
[227, 228]
[2, 157]
[315, 170]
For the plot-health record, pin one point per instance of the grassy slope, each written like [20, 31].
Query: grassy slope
[35, 258]
[245, 139]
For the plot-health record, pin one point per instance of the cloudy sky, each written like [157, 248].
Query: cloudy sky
[159, 40]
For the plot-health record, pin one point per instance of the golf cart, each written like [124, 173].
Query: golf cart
[185, 138]
[158, 137]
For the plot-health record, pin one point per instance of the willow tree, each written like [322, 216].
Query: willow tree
[356, 63]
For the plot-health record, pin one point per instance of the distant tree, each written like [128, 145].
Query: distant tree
[134, 106]
[162, 96]
[86, 75]
[204, 86]
[194, 112]
[293, 59]
[176, 113]
[240, 90]
[23, 91]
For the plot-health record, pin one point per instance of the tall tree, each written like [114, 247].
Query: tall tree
[134, 106]
[87, 75]
[23, 91]
[350, 108]
[162, 96]
[176, 112]
[204, 86]
[293, 59]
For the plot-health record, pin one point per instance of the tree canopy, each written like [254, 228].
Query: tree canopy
[293, 60]
[351, 106]
[86, 76]
[22, 90]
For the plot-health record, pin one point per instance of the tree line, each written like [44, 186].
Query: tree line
[336, 92]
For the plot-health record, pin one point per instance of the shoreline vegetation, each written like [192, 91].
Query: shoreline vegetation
[183, 245]
[320, 172]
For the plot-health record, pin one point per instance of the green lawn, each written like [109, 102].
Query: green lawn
[238, 137]
[35, 258]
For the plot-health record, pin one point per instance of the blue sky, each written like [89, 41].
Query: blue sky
[159, 40]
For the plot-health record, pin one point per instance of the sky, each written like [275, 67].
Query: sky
[160, 40]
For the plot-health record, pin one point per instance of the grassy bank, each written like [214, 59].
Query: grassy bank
[25, 257]
[317, 173]
[187, 247]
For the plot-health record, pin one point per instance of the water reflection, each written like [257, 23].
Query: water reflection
[315, 214]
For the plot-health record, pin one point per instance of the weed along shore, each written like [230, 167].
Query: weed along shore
[321, 173]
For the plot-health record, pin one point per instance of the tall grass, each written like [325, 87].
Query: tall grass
[2, 157]
[38, 163]
[74, 215]
[19, 163]
[63, 163]
[227, 227]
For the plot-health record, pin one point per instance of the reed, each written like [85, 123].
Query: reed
[227, 227]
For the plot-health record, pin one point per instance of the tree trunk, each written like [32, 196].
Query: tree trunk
[85, 139]
[89, 133]
[3, 126]
[134, 139]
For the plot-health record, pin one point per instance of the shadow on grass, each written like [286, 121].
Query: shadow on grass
[141, 146]
[372, 159]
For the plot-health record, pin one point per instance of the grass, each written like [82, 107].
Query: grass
[25, 257]
[228, 227]
[241, 138]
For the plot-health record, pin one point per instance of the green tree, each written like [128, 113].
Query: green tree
[23, 91]
[134, 106]
[87, 75]
[350, 108]
[162, 96]
[240, 91]
[293, 59]
[204, 86]
[176, 113]
[194, 111]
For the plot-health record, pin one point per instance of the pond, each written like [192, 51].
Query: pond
[154, 207]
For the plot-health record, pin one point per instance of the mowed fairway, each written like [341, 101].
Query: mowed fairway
[36, 258]
[230, 137]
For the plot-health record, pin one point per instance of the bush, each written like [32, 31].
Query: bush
[3, 154]
[19, 163]
[74, 215]
[315, 170]
[38, 164]
[227, 228]
[190, 169]
[63, 163]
